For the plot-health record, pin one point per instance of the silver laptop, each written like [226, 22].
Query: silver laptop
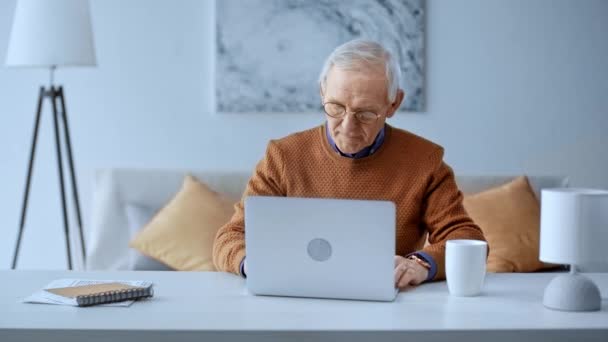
[322, 248]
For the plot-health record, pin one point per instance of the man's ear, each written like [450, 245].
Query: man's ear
[395, 105]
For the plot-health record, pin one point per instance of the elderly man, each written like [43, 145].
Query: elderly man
[356, 155]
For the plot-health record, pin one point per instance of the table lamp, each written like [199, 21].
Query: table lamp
[573, 231]
[51, 34]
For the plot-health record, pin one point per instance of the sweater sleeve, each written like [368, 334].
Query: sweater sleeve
[444, 215]
[266, 180]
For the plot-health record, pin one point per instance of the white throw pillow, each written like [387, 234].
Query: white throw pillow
[138, 216]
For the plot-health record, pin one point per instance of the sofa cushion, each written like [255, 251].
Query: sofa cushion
[509, 216]
[138, 217]
[181, 234]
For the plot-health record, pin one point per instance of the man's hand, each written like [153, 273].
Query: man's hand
[408, 273]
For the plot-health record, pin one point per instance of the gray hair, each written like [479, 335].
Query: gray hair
[358, 52]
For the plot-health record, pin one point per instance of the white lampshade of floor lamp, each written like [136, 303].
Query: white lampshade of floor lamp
[51, 34]
[574, 231]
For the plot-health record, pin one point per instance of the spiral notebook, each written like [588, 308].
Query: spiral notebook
[79, 292]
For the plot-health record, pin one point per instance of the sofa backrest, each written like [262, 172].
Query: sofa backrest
[472, 184]
[108, 234]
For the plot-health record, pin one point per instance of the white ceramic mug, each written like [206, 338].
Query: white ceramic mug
[465, 266]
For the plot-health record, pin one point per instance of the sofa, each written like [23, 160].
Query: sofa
[116, 190]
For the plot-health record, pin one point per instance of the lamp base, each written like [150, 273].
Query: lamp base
[572, 292]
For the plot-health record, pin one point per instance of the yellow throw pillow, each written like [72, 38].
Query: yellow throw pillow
[509, 216]
[181, 234]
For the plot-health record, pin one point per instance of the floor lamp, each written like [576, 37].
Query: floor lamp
[52, 34]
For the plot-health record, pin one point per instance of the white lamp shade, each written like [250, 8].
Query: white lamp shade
[574, 226]
[51, 33]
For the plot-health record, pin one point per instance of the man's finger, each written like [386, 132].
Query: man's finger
[399, 270]
[406, 278]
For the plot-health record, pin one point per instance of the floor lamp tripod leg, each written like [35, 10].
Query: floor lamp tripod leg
[72, 174]
[61, 184]
[30, 167]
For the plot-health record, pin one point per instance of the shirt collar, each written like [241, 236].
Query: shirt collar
[366, 152]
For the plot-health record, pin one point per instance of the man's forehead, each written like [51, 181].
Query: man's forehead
[362, 87]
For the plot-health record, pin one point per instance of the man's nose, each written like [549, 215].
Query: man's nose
[349, 121]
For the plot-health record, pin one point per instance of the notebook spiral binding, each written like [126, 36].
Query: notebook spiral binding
[114, 296]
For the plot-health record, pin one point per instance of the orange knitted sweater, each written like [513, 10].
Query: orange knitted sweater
[406, 169]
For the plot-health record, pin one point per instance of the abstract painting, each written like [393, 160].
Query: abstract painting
[269, 53]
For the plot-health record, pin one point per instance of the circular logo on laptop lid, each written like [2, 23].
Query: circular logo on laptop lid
[319, 249]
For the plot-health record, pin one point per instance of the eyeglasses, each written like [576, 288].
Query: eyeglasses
[338, 111]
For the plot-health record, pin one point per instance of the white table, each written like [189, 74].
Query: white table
[193, 306]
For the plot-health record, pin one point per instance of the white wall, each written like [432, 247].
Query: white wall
[512, 87]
